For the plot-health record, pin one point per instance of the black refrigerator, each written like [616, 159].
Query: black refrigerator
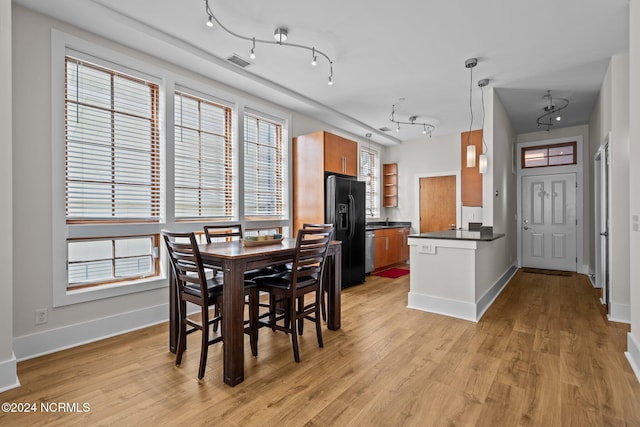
[345, 209]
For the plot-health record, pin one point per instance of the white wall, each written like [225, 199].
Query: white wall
[415, 158]
[633, 348]
[8, 377]
[611, 114]
[32, 194]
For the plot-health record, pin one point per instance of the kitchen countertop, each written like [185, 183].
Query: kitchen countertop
[458, 235]
[377, 225]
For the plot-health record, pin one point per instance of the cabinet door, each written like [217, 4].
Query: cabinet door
[404, 248]
[340, 155]
[381, 258]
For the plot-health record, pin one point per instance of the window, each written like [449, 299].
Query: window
[369, 173]
[265, 183]
[96, 261]
[203, 159]
[112, 145]
[549, 155]
[112, 173]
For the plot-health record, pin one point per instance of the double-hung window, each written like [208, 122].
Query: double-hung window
[112, 172]
[369, 173]
[265, 171]
[203, 158]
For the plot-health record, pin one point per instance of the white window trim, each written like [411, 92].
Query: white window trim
[61, 45]
[378, 182]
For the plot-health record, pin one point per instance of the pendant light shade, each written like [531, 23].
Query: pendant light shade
[482, 163]
[471, 156]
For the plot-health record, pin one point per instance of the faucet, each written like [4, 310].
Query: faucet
[387, 221]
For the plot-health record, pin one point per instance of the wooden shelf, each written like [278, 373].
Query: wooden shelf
[390, 185]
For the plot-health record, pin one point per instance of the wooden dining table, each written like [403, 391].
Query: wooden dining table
[234, 259]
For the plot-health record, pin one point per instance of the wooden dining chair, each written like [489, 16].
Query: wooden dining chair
[193, 286]
[288, 290]
[227, 232]
[322, 228]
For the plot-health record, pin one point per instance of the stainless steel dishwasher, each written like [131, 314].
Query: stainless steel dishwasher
[369, 251]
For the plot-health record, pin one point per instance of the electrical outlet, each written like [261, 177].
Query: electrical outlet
[427, 248]
[41, 316]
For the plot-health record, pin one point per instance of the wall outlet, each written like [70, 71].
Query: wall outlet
[41, 316]
[426, 248]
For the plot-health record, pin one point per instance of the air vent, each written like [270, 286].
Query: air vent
[384, 129]
[238, 60]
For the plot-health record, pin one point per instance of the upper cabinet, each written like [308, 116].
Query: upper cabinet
[314, 155]
[390, 185]
[471, 178]
[340, 155]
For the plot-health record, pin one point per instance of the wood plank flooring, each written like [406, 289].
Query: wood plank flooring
[543, 355]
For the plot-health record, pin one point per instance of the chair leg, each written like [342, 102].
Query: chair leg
[182, 332]
[294, 332]
[323, 305]
[253, 319]
[205, 342]
[318, 327]
[301, 319]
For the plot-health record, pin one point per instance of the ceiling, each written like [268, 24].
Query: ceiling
[382, 52]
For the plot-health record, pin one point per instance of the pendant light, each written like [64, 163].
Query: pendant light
[482, 159]
[471, 149]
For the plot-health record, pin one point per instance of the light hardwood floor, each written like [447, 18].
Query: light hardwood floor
[543, 355]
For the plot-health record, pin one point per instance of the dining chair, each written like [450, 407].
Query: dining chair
[323, 228]
[193, 286]
[288, 290]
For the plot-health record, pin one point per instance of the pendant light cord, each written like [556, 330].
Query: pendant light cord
[470, 105]
[484, 145]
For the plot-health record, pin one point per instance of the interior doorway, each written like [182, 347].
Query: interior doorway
[601, 181]
[438, 203]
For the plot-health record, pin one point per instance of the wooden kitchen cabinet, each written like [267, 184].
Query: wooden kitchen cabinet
[471, 178]
[340, 155]
[391, 247]
[390, 185]
[314, 155]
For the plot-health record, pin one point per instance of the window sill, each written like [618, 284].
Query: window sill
[69, 297]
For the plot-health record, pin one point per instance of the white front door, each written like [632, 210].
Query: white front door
[549, 228]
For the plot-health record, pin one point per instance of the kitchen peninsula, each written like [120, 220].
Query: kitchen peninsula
[451, 272]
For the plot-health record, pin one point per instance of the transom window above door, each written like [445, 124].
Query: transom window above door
[549, 155]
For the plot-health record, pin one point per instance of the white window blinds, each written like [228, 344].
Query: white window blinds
[369, 173]
[264, 168]
[203, 159]
[112, 145]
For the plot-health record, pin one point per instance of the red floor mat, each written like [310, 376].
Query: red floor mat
[392, 273]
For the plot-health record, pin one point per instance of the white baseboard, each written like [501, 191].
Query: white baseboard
[492, 293]
[52, 340]
[9, 374]
[620, 313]
[633, 354]
[448, 307]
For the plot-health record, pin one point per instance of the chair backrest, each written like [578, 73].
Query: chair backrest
[320, 227]
[186, 262]
[311, 253]
[227, 232]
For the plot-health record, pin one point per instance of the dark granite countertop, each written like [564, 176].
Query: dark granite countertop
[377, 225]
[458, 235]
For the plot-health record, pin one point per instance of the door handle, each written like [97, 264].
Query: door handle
[605, 234]
[525, 227]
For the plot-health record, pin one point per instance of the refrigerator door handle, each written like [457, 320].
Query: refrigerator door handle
[352, 216]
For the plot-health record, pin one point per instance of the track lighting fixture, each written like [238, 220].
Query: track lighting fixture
[280, 35]
[551, 110]
[427, 128]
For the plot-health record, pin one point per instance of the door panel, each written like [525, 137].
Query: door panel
[549, 222]
[437, 203]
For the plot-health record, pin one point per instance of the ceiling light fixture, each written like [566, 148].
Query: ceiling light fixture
[280, 35]
[551, 110]
[427, 128]
[471, 149]
[482, 159]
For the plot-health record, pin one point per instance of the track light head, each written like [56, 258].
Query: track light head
[280, 34]
[210, 22]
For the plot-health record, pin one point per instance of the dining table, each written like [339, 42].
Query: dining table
[234, 258]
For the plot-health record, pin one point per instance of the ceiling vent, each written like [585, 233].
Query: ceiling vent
[384, 129]
[238, 60]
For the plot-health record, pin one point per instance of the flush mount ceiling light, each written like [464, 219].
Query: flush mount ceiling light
[280, 35]
[551, 110]
[427, 128]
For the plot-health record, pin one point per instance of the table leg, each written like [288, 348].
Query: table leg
[334, 290]
[233, 322]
